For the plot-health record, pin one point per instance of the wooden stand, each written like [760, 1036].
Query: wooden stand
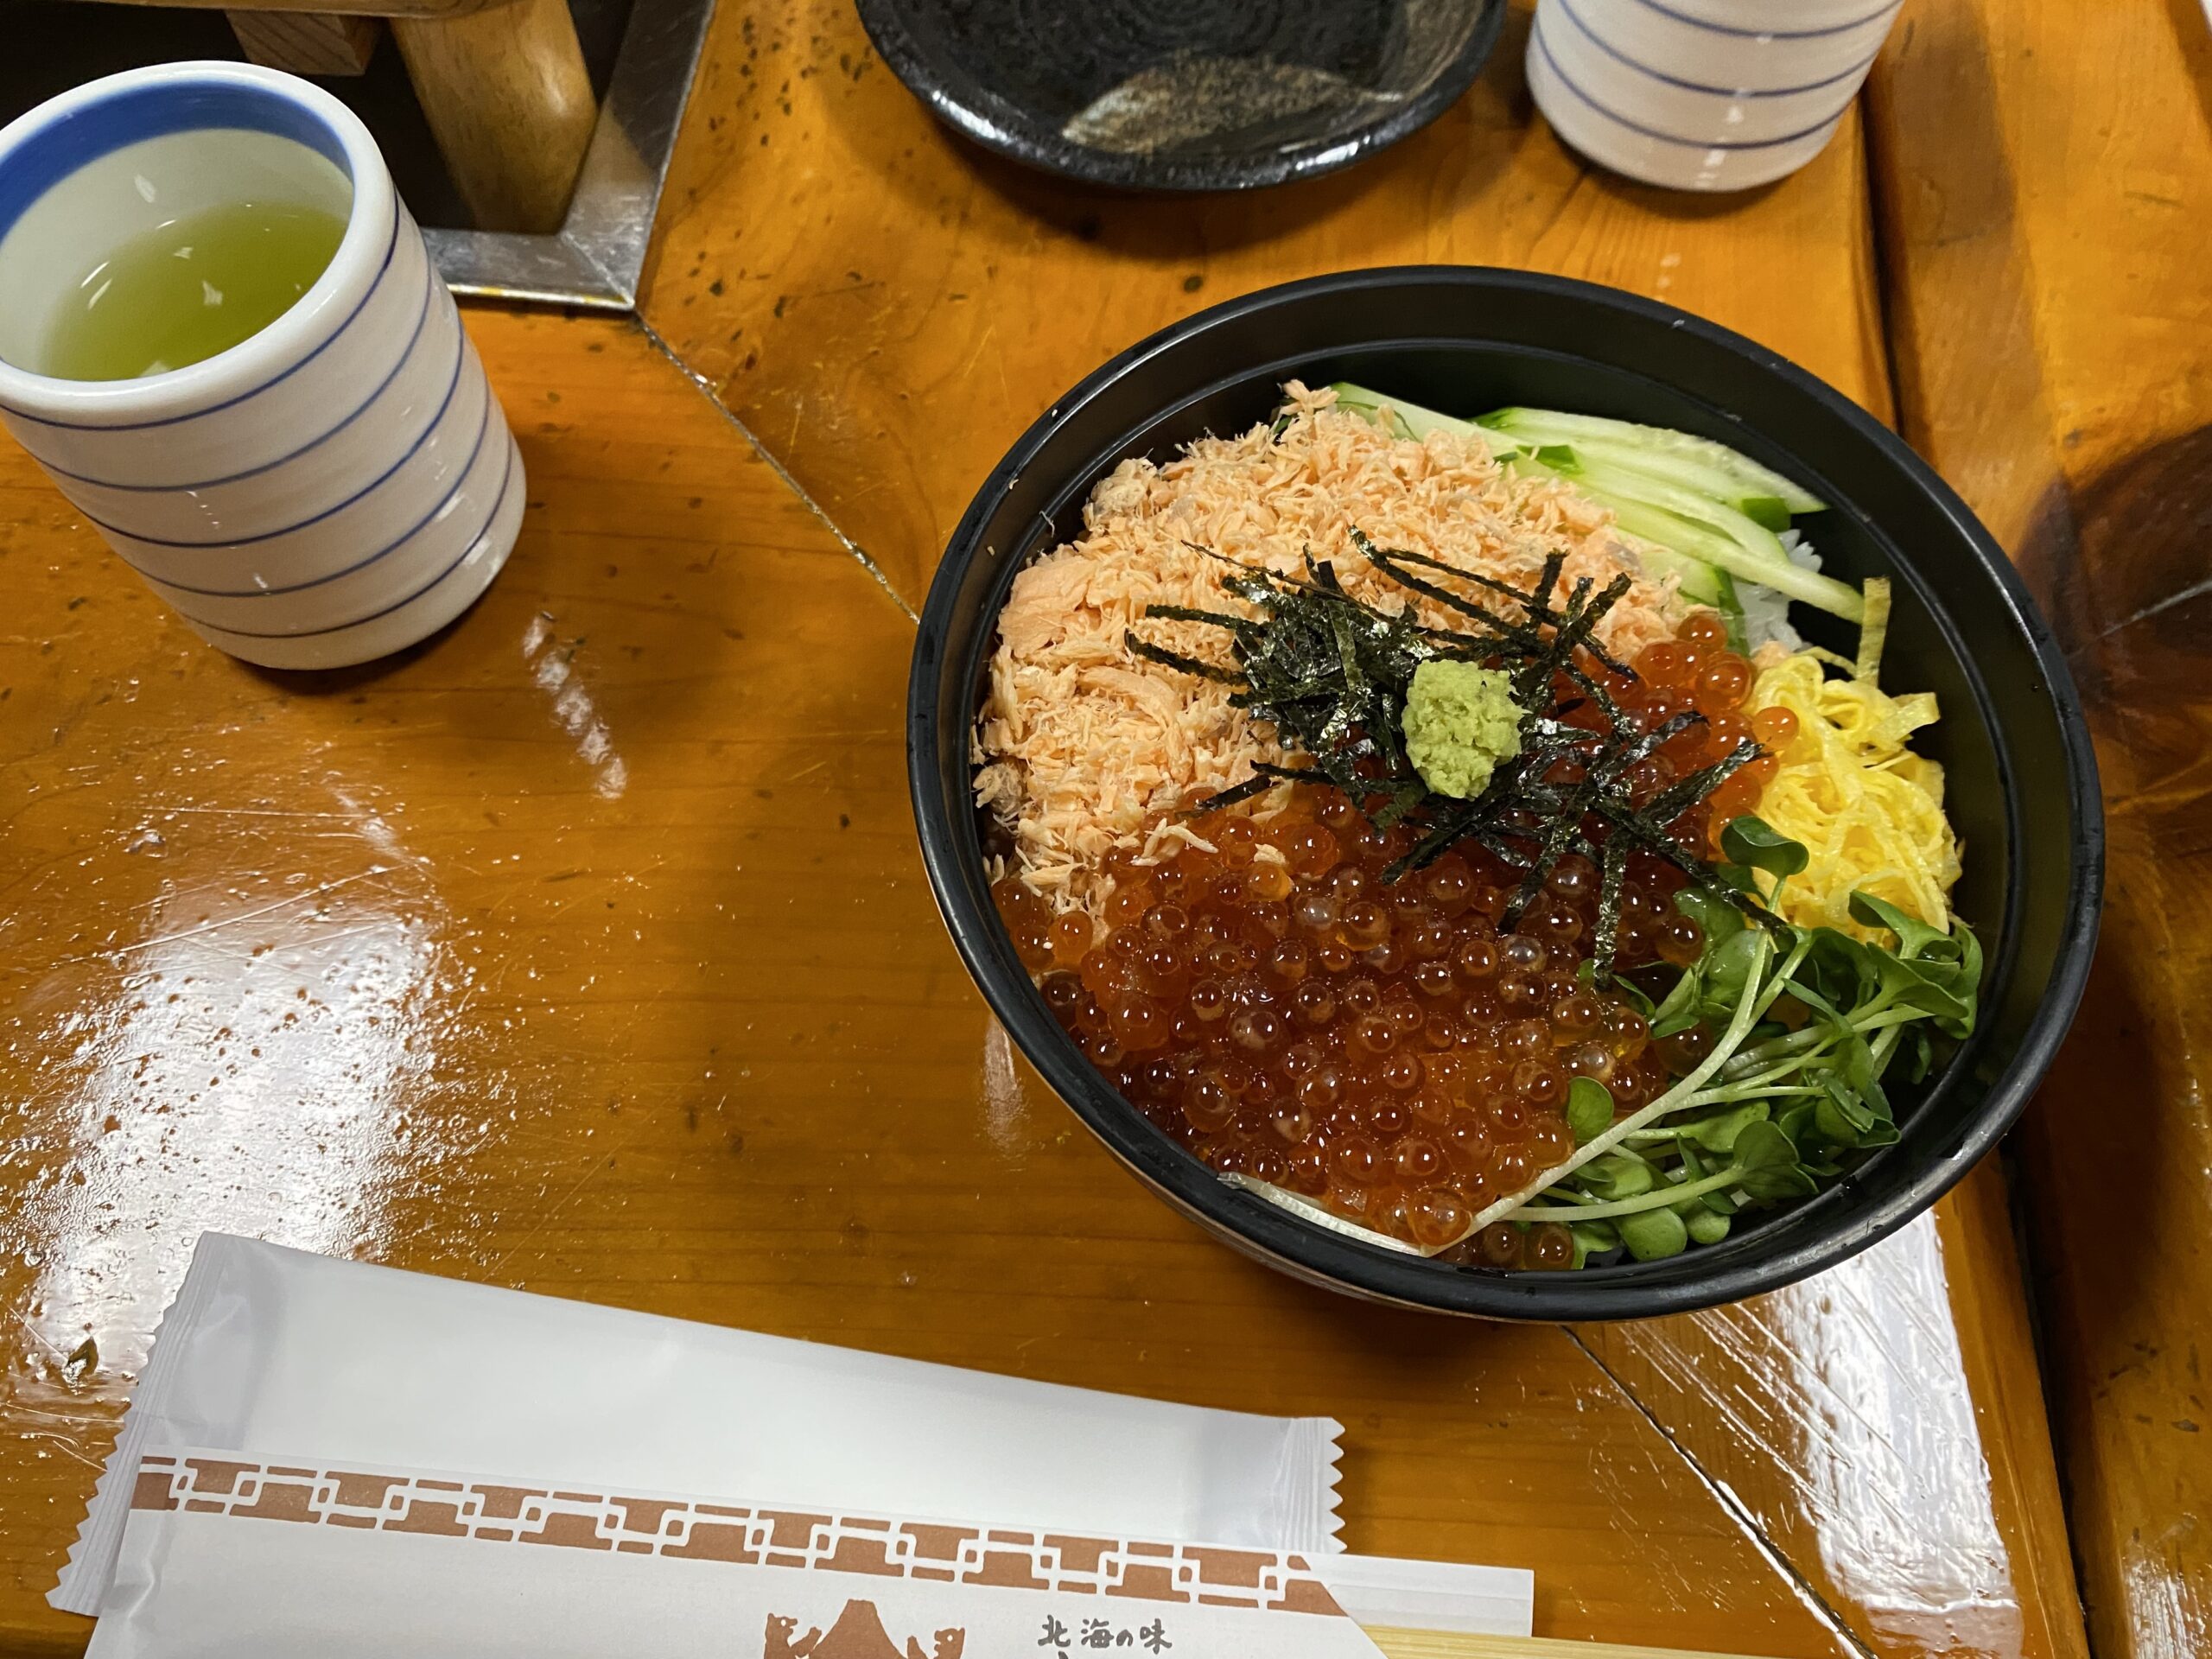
[510, 104]
[308, 42]
[503, 85]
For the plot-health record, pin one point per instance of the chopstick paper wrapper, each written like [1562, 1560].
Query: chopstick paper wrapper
[270, 1350]
[225, 1555]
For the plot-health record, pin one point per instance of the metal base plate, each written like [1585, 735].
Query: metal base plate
[597, 256]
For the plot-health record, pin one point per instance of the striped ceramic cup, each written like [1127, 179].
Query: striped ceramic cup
[1702, 94]
[336, 486]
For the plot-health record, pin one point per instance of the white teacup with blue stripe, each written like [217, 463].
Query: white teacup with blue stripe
[334, 487]
[1702, 94]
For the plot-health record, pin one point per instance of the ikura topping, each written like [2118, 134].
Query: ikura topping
[1285, 1010]
[1384, 1047]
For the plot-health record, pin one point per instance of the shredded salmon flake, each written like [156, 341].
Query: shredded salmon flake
[1084, 748]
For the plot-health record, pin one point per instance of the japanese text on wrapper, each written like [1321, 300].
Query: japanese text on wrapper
[1096, 1633]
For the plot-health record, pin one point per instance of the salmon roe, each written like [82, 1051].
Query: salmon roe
[1696, 670]
[1388, 1048]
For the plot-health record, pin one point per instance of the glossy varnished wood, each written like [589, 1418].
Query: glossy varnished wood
[2047, 174]
[886, 308]
[585, 948]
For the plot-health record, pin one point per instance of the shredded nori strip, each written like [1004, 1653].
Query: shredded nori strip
[1330, 673]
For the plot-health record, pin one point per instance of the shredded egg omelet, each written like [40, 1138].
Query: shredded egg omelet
[1869, 810]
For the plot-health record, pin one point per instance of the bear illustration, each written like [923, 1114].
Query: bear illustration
[858, 1634]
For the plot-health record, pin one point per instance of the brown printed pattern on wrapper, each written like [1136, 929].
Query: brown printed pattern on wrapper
[496, 1512]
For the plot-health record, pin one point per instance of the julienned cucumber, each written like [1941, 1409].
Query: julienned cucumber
[1701, 464]
[1668, 545]
[1406, 419]
[1688, 496]
[1694, 526]
[1627, 483]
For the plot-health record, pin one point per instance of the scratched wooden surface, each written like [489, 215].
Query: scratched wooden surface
[2047, 174]
[585, 948]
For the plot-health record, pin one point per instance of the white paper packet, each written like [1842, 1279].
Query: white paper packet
[281, 1555]
[267, 1349]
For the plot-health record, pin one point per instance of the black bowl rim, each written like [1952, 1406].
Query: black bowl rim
[918, 69]
[1345, 1264]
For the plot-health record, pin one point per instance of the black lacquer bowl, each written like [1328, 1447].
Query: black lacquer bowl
[2022, 782]
[1185, 94]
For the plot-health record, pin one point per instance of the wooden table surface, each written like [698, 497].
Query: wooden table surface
[2046, 175]
[586, 948]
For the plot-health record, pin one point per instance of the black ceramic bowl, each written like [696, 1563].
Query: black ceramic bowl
[2022, 782]
[1185, 94]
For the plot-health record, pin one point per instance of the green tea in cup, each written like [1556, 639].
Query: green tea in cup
[187, 289]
